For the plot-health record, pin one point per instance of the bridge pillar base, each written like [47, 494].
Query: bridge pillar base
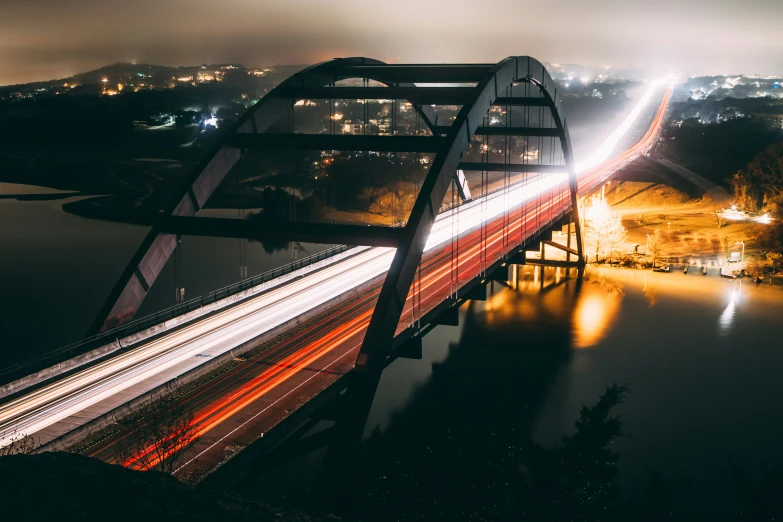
[477, 293]
[449, 317]
[501, 274]
[412, 349]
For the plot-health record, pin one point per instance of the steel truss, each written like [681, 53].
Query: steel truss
[475, 88]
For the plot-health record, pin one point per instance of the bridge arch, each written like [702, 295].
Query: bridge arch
[259, 127]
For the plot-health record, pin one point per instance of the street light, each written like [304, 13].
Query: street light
[742, 257]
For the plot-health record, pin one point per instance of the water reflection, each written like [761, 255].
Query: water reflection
[447, 436]
[461, 430]
[596, 309]
[727, 317]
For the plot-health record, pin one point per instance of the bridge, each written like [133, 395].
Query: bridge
[500, 178]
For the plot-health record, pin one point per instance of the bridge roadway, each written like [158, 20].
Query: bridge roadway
[251, 402]
[252, 398]
[108, 384]
[281, 379]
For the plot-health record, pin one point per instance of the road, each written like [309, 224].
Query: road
[305, 363]
[233, 410]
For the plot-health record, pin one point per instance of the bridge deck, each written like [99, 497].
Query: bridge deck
[239, 406]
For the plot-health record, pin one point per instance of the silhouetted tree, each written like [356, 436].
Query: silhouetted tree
[18, 444]
[655, 245]
[157, 437]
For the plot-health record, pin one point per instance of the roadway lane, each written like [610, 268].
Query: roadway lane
[214, 335]
[236, 415]
[46, 406]
[241, 416]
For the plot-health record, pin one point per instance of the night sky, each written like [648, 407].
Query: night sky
[46, 39]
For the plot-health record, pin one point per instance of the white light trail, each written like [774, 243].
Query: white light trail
[247, 320]
[225, 330]
[604, 151]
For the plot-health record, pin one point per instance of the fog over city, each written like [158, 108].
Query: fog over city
[46, 39]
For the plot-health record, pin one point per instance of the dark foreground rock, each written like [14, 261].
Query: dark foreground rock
[64, 486]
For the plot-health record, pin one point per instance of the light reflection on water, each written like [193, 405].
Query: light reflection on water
[700, 355]
[727, 317]
[698, 352]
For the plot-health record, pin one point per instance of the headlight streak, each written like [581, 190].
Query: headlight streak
[224, 330]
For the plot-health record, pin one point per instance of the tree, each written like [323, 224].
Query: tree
[655, 245]
[18, 444]
[761, 182]
[720, 217]
[604, 227]
[396, 202]
[157, 437]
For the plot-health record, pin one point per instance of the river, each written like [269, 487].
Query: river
[700, 355]
[58, 268]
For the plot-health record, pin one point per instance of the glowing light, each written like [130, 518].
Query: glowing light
[603, 151]
[282, 299]
[595, 311]
[211, 122]
[764, 219]
[337, 116]
[726, 318]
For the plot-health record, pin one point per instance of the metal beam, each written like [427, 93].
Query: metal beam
[378, 339]
[512, 167]
[462, 186]
[304, 232]
[418, 73]
[420, 95]
[554, 263]
[518, 131]
[273, 141]
[520, 102]
[561, 247]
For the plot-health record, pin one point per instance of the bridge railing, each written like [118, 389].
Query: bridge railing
[138, 325]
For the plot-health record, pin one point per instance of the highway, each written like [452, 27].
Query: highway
[486, 229]
[245, 402]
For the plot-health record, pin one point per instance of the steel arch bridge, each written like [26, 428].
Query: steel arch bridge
[515, 82]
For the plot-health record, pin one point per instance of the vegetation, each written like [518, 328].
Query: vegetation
[19, 445]
[603, 228]
[716, 151]
[157, 436]
[655, 245]
[394, 201]
[759, 185]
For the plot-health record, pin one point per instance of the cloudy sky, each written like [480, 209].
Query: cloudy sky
[45, 39]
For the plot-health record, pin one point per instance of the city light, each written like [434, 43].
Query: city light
[764, 219]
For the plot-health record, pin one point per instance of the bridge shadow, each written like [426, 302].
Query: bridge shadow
[459, 430]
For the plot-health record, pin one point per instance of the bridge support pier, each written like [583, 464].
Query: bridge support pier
[501, 274]
[449, 317]
[478, 293]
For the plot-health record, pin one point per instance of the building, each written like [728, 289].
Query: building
[774, 120]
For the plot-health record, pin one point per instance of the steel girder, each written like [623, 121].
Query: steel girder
[378, 339]
[257, 128]
[153, 253]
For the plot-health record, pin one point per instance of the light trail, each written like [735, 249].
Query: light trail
[234, 326]
[227, 329]
[434, 285]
